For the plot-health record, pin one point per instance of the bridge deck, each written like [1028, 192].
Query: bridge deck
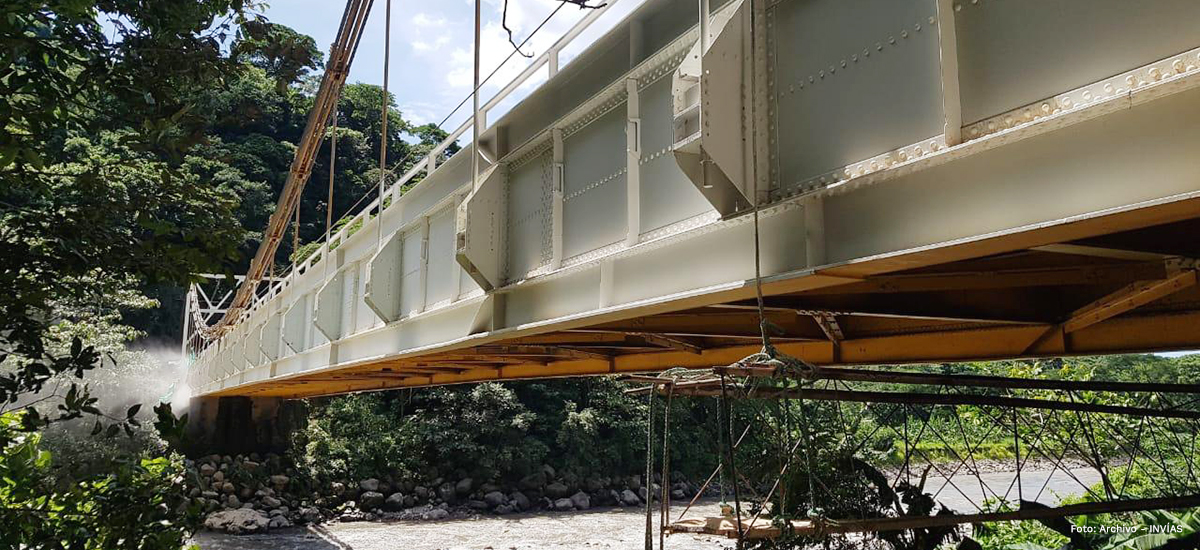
[927, 196]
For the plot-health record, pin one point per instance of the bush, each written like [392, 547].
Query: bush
[136, 503]
[355, 436]
[499, 431]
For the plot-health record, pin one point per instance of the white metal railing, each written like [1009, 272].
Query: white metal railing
[548, 58]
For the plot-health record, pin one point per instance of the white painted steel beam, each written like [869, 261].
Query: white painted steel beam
[854, 188]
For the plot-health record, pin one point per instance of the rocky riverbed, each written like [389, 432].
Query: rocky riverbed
[598, 528]
[253, 494]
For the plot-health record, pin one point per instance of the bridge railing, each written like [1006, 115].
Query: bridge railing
[549, 58]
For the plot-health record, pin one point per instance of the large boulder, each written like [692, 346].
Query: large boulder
[489, 487]
[446, 492]
[310, 514]
[533, 482]
[271, 502]
[629, 498]
[238, 522]
[520, 501]
[370, 500]
[394, 502]
[463, 488]
[494, 499]
[370, 484]
[279, 481]
[557, 490]
[564, 505]
[581, 501]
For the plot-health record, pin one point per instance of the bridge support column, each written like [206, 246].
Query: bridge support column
[241, 425]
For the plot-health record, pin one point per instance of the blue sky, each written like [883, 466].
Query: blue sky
[431, 46]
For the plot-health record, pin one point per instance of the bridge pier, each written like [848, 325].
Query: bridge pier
[241, 425]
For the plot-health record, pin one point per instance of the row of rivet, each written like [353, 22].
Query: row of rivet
[531, 215]
[595, 184]
[1109, 88]
[651, 71]
[543, 210]
[536, 150]
[681, 226]
[646, 159]
[874, 164]
[656, 66]
[772, 100]
[595, 114]
[665, 69]
[854, 59]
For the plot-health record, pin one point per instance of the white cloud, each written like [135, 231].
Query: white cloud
[426, 20]
[523, 18]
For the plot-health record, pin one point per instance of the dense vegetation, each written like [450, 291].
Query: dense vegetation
[143, 142]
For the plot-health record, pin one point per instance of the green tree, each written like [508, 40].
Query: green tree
[97, 196]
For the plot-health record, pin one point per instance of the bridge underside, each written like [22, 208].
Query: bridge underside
[1102, 284]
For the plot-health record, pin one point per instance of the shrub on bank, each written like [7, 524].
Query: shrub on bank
[137, 501]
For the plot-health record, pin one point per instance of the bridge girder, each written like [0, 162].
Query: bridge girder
[910, 212]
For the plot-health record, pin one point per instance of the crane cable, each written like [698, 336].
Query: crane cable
[341, 56]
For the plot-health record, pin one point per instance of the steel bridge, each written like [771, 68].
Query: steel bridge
[935, 180]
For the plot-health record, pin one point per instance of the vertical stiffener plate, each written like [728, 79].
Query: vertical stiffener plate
[383, 279]
[481, 231]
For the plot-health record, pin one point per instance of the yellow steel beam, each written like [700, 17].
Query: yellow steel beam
[1130, 297]
[1115, 335]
